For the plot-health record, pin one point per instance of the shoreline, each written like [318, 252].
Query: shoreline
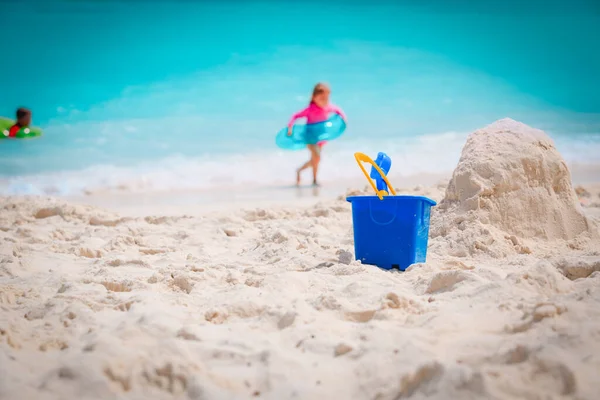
[581, 174]
[195, 201]
[240, 197]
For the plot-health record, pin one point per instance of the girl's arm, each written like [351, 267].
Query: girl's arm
[298, 115]
[335, 109]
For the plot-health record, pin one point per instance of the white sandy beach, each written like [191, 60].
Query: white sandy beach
[251, 300]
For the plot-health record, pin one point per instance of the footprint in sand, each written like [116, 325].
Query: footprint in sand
[152, 252]
[118, 262]
[259, 215]
[183, 283]
[95, 221]
[360, 316]
[117, 286]
[48, 212]
[125, 306]
[419, 381]
[538, 313]
[445, 281]
[393, 301]
[216, 316]
[89, 253]
[580, 267]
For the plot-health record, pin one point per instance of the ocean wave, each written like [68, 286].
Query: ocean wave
[425, 154]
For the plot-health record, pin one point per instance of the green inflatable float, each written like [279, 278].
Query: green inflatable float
[23, 133]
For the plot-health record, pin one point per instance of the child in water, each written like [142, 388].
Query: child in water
[23, 120]
[317, 111]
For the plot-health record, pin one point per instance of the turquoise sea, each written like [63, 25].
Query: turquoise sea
[162, 95]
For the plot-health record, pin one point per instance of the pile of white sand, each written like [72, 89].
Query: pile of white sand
[510, 189]
[268, 303]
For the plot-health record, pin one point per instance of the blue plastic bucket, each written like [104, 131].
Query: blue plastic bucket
[392, 232]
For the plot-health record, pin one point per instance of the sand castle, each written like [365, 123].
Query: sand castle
[510, 187]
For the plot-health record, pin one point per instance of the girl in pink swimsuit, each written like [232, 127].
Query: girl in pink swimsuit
[317, 111]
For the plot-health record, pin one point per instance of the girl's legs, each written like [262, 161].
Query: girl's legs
[299, 170]
[315, 158]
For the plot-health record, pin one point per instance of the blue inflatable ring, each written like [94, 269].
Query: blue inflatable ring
[305, 134]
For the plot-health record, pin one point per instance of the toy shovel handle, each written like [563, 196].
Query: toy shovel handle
[360, 158]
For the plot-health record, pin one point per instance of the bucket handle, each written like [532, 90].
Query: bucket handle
[360, 158]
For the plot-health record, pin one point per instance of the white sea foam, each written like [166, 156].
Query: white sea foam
[423, 154]
[427, 154]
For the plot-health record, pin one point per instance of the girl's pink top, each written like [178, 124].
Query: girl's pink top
[313, 114]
